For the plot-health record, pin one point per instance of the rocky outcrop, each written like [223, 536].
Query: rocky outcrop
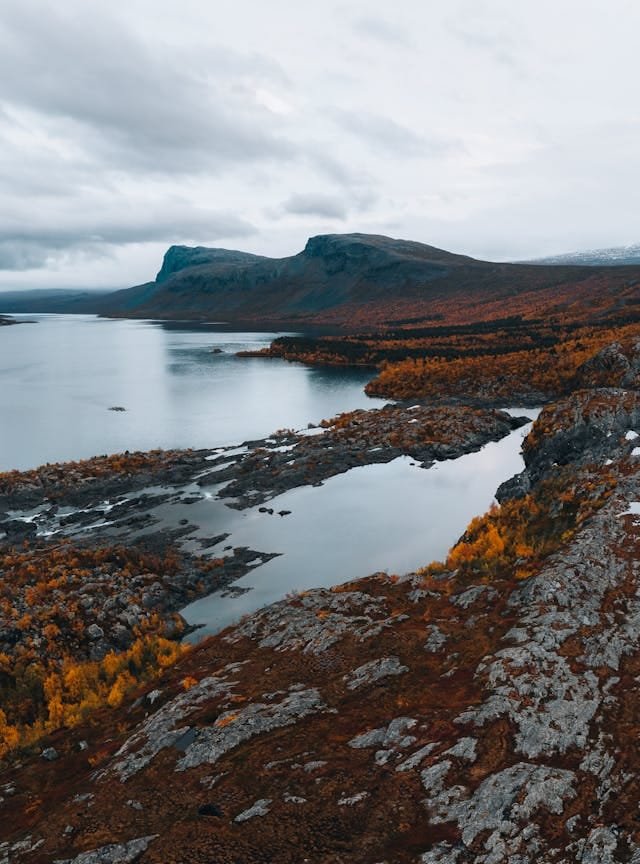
[427, 433]
[444, 717]
[114, 853]
[614, 365]
[581, 428]
[178, 258]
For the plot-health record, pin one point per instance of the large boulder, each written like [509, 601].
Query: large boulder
[586, 426]
[615, 365]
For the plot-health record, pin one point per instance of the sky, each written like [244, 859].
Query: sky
[503, 129]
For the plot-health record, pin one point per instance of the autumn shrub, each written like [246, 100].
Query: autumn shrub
[512, 540]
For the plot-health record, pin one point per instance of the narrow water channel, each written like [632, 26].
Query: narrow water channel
[393, 517]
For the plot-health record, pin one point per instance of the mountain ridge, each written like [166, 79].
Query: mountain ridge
[343, 280]
[351, 281]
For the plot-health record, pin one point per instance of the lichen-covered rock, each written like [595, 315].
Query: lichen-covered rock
[233, 728]
[260, 808]
[613, 366]
[583, 427]
[113, 853]
[162, 728]
[373, 671]
[299, 626]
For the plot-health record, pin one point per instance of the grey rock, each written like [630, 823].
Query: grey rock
[260, 808]
[599, 847]
[286, 627]
[293, 799]
[95, 632]
[472, 595]
[114, 853]
[352, 800]
[417, 758]
[502, 805]
[309, 767]
[212, 743]
[394, 735]
[465, 749]
[373, 671]
[161, 729]
[435, 639]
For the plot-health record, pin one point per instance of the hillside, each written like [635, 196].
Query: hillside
[50, 300]
[480, 710]
[359, 280]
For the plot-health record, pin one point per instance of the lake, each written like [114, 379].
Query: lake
[394, 517]
[60, 375]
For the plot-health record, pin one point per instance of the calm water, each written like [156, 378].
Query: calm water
[393, 517]
[59, 377]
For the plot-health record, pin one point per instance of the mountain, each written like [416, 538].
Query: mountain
[50, 300]
[615, 256]
[355, 280]
[332, 271]
[179, 258]
[352, 281]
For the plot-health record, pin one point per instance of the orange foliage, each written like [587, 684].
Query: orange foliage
[513, 539]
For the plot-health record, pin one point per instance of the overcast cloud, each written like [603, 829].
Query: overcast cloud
[491, 128]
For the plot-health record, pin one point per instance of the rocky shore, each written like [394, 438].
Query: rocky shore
[288, 459]
[95, 555]
[459, 715]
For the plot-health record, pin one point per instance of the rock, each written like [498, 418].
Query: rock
[233, 728]
[373, 671]
[582, 428]
[394, 734]
[293, 799]
[612, 366]
[162, 729]
[351, 800]
[472, 595]
[465, 749]
[95, 632]
[416, 758]
[288, 627]
[50, 754]
[435, 639]
[502, 804]
[260, 808]
[114, 853]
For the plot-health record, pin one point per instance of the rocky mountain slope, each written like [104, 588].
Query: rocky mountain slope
[345, 280]
[481, 710]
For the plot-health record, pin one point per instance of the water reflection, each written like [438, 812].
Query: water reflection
[61, 375]
[394, 517]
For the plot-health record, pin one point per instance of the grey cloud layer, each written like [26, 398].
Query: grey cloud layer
[139, 109]
[471, 124]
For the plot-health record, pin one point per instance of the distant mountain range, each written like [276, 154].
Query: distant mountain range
[349, 281]
[615, 256]
[50, 300]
